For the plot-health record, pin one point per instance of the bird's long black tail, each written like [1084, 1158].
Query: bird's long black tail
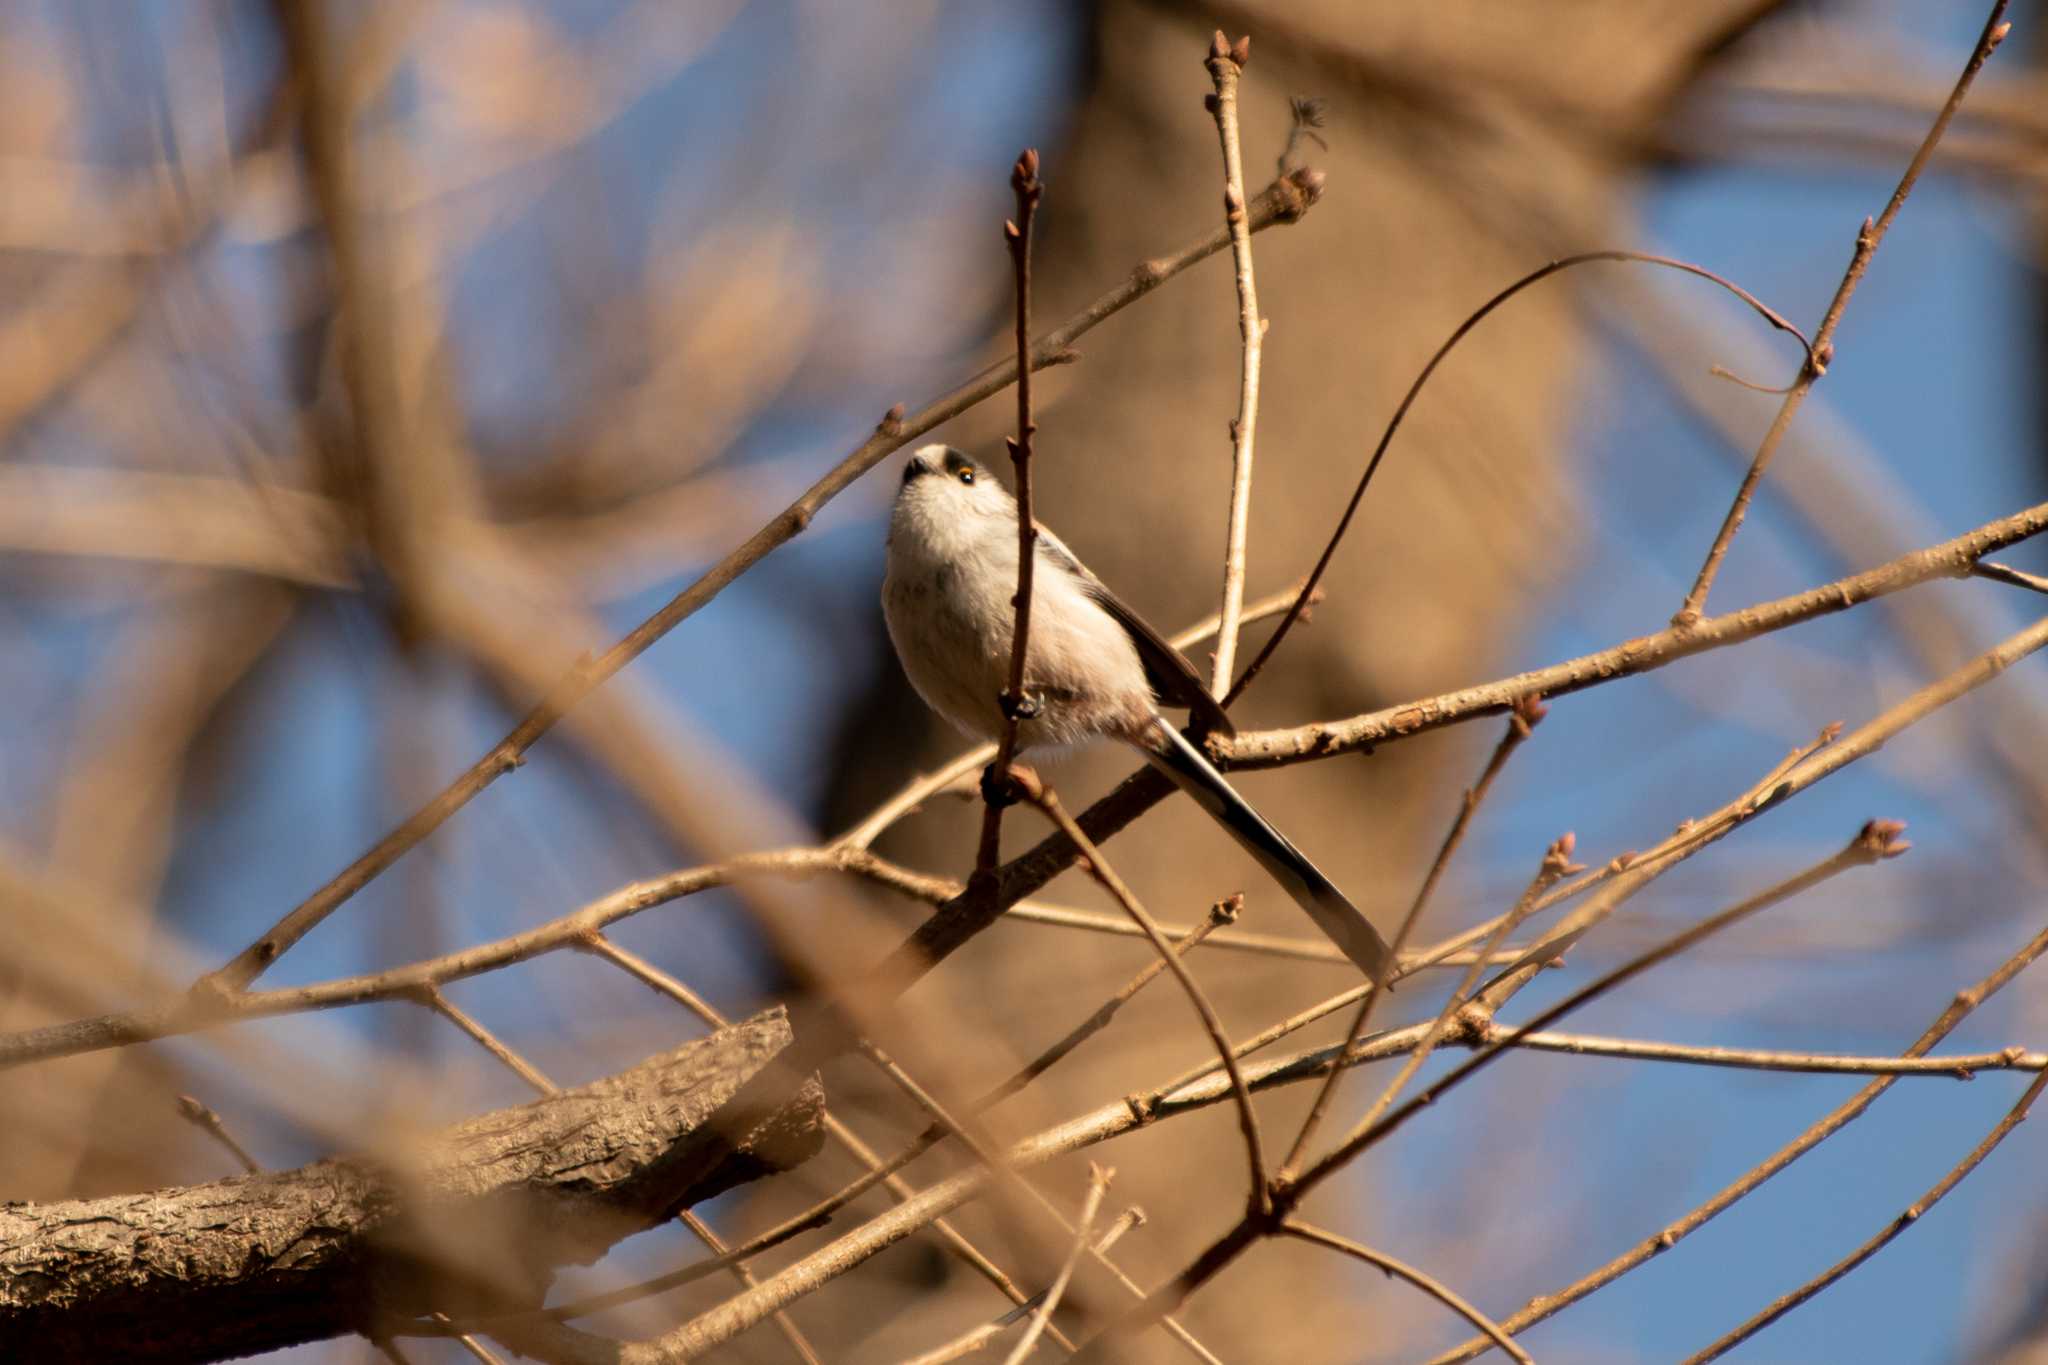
[1170, 752]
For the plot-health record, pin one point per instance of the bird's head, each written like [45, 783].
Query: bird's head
[943, 481]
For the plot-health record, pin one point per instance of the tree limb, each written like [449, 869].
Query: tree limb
[478, 1216]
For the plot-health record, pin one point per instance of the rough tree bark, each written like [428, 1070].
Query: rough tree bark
[476, 1218]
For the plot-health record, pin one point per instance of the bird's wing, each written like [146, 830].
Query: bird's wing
[1166, 668]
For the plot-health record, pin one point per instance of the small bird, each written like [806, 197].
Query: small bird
[1093, 668]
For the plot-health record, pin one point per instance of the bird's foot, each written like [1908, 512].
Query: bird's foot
[1007, 788]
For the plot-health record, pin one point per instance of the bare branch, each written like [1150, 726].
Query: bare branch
[1823, 352]
[1025, 186]
[1248, 1117]
[1954, 1066]
[1284, 201]
[1527, 715]
[492, 1206]
[729, 1319]
[1912, 1214]
[1225, 64]
[2003, 573]
[1556, 864]
[723, 1258]
[1429, 1285]
[1851, 1109]
[962, 917]
[1098, 1185]
[206, 1121]
[1950, 559]
[1450, 343]
[1876, 841]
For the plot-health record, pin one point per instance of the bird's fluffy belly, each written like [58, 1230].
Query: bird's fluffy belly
[1081, 667]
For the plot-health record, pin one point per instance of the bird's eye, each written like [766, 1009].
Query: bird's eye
[966, 474]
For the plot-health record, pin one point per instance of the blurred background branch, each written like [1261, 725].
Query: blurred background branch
[368, 369]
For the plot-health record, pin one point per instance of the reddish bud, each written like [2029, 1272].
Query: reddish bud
[1880, 838]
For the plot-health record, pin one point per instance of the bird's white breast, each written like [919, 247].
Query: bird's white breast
[952, 571]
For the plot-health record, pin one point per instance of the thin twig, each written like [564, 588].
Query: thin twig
[970, 1132]
[1098, 1185]
[209, 1123]
[1959, 1008]
[1823, 352]
[1954, 1066]
[1226, 64]
[1296, 1022]
[2005, 573]
[1911, 1215]
[1640, 868]
[1291, 946]
[1428, 1284]
[966, 1344]
[1098, 867]
[440, 1004]
[1101, 1124]
[1130, 1218]
[1014, 701]
[1876, 841]
[973, 1340]
[1557, 864]
[1223, 912]
[715, 1244]
[722, 1258]
[1829, 758]
[1450, 343]
[879, 1171]
[884, 1172]
[1688, 838]
[1950, 559]
[1527, 714]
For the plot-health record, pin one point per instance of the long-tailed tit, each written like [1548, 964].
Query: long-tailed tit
[1093, 668]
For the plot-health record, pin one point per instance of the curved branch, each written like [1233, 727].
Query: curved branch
[1428, 1284]
[1463, 329]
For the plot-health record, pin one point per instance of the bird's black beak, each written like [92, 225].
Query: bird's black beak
[916, 469]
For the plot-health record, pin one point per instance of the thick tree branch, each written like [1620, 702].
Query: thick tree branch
[477, 1217]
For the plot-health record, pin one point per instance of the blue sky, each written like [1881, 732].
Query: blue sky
[1937, 362]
